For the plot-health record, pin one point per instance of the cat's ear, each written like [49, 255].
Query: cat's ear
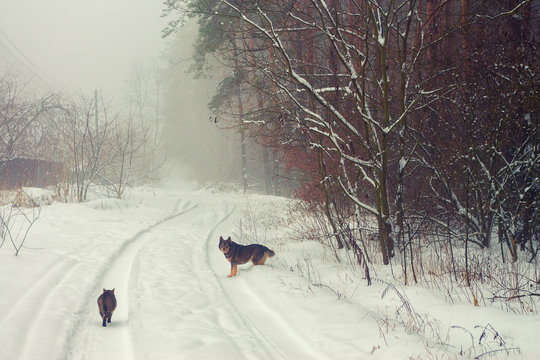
[221, 238]
[229, 239]
[113, 290]
[104, 290]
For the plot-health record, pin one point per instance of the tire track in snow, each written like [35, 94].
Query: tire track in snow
[45, 313]
[207, 325]
[115, 341]
[178, 310]
[274, 333]
[55, 271]
[287, 334]
[21, 317]
[266, 348]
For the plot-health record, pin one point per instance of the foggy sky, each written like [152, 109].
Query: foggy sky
[83, 45]
[80, 45]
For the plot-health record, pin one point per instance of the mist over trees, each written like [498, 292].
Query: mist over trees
[406, 127]
[202, 151]
[411, 123]
[206, 144]
[85, 140]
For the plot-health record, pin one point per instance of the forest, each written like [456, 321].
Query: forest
[412, 126]
[386, 152]
[76, 141]
[407, 129]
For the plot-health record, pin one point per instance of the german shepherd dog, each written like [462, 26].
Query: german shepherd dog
[241, 254]
[107, 304]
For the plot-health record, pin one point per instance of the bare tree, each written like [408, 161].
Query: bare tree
[125, 147]
[84, 129]
[22, 118]
[144, 93]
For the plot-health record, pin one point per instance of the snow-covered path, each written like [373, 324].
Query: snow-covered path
[176, 302]
[90, 342]
[159, 250]
[174, 298]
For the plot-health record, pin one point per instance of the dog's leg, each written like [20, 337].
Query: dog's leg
[260, 259]
[234, 270]
[256, 258]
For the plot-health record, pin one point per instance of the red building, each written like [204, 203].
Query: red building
[30, 172]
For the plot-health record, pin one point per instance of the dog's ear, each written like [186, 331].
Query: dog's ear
[221, 238]
[229, 239]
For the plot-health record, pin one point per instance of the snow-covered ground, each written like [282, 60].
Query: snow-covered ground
[158, 248]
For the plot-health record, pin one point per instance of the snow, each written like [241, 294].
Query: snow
[158, 248]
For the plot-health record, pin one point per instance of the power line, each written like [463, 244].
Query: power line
[28, 64]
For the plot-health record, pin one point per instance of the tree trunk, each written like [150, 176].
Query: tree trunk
[241, 125]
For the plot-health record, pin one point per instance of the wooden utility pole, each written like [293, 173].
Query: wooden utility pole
[96, 107]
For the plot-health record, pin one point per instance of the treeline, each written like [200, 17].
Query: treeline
[406, 117]
[92, 138]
